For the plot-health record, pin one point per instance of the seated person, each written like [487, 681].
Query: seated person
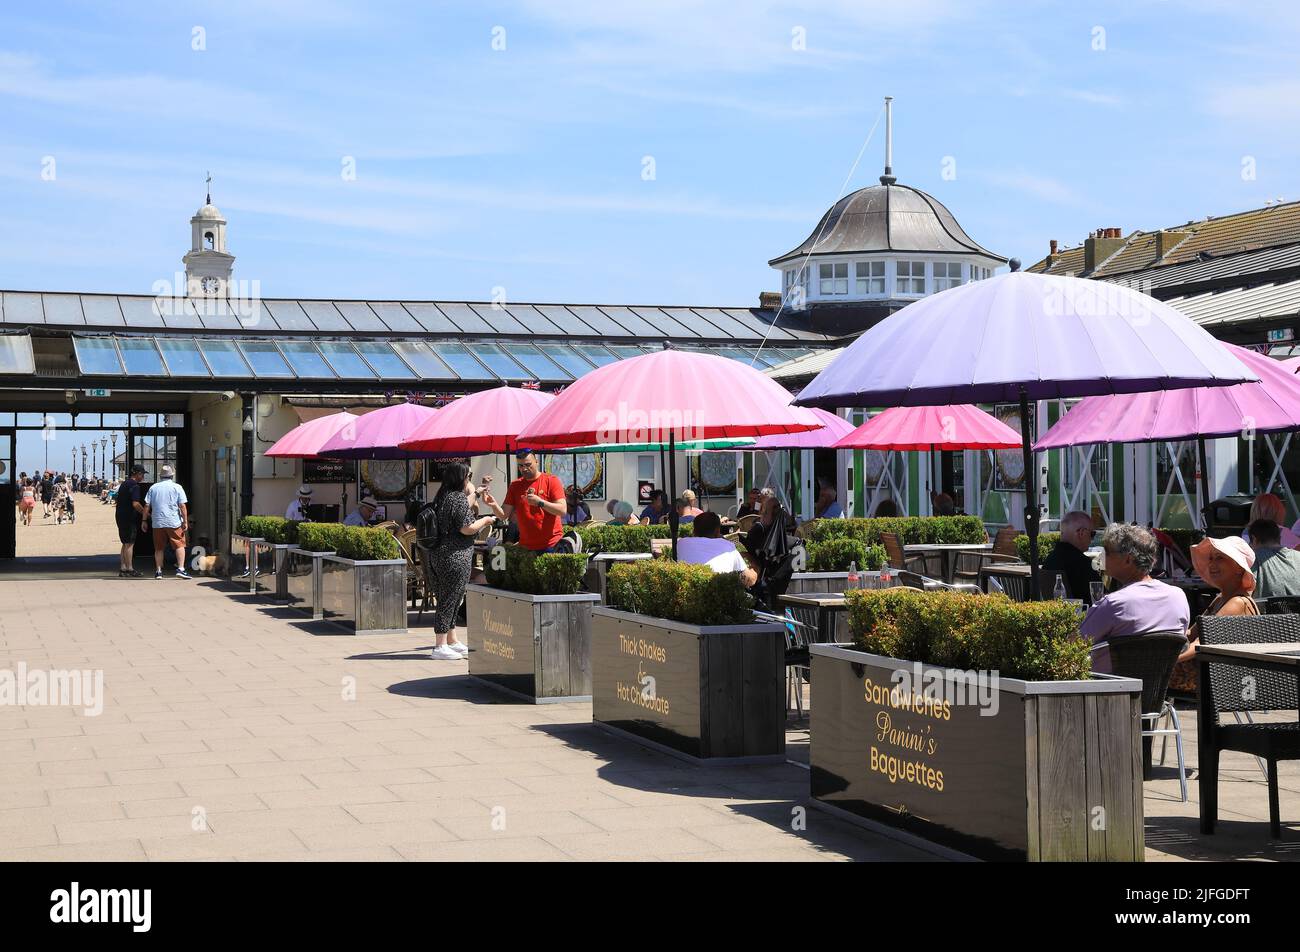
[707, 547]
[623, 515]
[692, 508]
[1225, 564]
[364, 514]
[685, 510]
[828, 503]
[1069, 557]
[942, 505]
[657, 511]
[578, 511]
[887, 509]
[753, 502]
[1142, 604]
[1277, 569]
[1270, 507]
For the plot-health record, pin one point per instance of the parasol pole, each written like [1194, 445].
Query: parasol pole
[1205, 485]
[932, 479]
[672, 482]
[1031, 495]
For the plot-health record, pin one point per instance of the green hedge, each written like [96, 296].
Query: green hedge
[836, 554]
[1034, 641]
[910, 530]
[517, 569]
[1046, 543]
[680, 592]
[274, 529]
[612, 538]
[359, 543]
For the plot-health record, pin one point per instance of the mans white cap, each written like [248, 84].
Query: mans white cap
[166, 473]
[369, 501]
[304, 490]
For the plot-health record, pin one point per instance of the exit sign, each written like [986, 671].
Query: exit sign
[98, 392]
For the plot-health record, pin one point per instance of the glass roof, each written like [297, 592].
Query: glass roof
[370, 359]
[16, 354]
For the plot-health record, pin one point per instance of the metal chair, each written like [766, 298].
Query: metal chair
[800, 632]
[970, 564]
[1270, 691]
[1150, 658]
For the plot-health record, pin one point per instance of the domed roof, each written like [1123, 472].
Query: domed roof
[888, 218]
[211, 212]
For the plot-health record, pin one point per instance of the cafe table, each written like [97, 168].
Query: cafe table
[948, 551]
[1282, 657]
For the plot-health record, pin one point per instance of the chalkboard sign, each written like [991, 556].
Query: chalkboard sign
[326, 471]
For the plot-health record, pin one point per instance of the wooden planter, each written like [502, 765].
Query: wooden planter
[243, 555]
[1054, 774]
[364, 597]
[537, 647]
[596, 580]
[302, 575]
[708, 694]
[271, 560]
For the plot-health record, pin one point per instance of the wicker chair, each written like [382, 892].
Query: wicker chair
[927, 564]
[1004, 543]
[416, 586]
[744, 523]
[1150, 658]
[1280, 605]
[1271, 691]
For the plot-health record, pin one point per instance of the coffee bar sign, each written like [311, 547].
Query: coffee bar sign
[925, 755]
[501, 641]
[646, 680]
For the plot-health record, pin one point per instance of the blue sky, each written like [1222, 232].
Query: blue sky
[522, 168]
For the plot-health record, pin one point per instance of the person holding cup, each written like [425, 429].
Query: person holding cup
[538, 503]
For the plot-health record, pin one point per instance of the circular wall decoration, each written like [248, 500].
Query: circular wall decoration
[391, 478]
[715, 473]
[591, 471]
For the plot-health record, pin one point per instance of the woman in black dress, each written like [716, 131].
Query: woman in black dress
[447, 528]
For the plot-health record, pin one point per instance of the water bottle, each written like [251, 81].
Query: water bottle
[886, 579]
[854, 581]
[1058, 593]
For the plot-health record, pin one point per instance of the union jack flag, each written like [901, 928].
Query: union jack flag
[531, 385]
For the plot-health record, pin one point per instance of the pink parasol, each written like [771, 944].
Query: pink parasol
[669, 396]
[951, 427]
[1271, 404]
[484, 422]
[376, 435]
[306, 439]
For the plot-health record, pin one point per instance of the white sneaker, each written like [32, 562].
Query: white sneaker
[446, 653]
[459, 647]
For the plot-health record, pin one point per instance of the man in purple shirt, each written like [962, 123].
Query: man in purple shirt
[1142, 604]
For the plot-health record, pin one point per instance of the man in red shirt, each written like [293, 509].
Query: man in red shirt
[538, 503]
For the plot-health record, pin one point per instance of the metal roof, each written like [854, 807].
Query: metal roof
[459, 319]
[1235, 305]
[888, 218]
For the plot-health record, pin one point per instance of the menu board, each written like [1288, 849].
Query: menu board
[316, 471]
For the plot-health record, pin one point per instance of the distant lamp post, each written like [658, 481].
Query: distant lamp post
[94, 455]
[103, 463]
[113, 437]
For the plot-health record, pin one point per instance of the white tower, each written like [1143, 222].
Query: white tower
[208, 264]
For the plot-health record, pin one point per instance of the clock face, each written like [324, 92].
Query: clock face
[210, 285]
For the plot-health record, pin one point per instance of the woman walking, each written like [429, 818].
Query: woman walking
[447, 529]
[27, 502]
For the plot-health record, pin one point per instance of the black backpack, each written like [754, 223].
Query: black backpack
[427, 531]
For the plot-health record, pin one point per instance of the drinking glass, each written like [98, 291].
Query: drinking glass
[1097, 590]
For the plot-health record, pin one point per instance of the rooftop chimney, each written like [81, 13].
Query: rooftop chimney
[1099, 246]
[1052, 247]
[1167, 240]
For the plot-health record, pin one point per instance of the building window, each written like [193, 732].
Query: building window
[911, 277]
[834, 279]
[946, 275]
[977, 273]
[870, 277]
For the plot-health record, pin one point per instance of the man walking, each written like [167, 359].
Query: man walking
[129, 515]
[167, 508]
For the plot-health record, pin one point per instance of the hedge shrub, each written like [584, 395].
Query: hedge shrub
[1046, 543]
[274, 529]
[606, 537]
[1033, 641]
[910, 530]
[363, 544]
[680, 592]
[321, 536]
[517, 569]
[836, 554]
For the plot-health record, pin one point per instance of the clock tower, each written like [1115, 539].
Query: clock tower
[208, 264]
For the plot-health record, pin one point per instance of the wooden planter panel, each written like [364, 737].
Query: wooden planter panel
[535, 646]
[364, 597]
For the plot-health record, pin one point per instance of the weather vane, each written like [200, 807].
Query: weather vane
[209, 181]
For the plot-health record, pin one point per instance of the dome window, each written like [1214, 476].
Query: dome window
[870, 277]
[947, 274]
[911, 277]
[833, 279]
